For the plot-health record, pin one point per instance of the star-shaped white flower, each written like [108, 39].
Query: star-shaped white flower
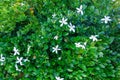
[79, 10]
[58, 78]
[56, 37]
[106, 19]
[93, 38]
[63, 22]
[16, 67]
[19, 60]
[54, 15]
[71, 27]
[16, 52]
[79, 45]
[56, 49]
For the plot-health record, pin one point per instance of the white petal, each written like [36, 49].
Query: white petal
[81, 12]
[80, 6]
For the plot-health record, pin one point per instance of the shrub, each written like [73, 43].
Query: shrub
[59, 39]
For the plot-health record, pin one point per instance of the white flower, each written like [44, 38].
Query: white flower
[113, 0]
[71, 27]
[19, 60]
[56, 37]
[16, 67]
[28, 49]
[63, 22]
[79, 10]
[93, 38]
[2, 59]
[106, 19]
[79, 45]
[16, 52]
[54, 15]
[56, 49]
[58, 78]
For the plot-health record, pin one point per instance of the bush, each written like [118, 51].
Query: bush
[59, 39]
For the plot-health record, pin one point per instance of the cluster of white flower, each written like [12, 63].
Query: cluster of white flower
[55, 49]
[63, 22]
[20, 59]
[106, 19]
[71, 27]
